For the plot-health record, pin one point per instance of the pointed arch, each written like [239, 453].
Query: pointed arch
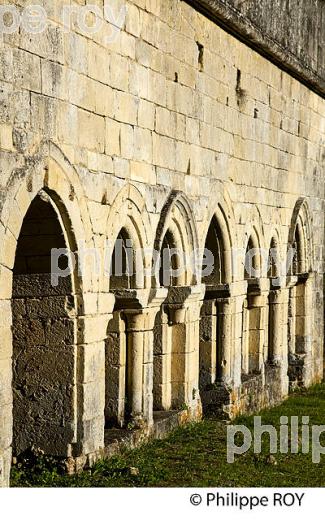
[274, 256]
[177, 218]
[253, 256]
[129, 215]
[220, 216]
[300, 312]
[251, 236]
[300, 236]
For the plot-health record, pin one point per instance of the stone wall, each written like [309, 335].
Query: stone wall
[170, 125]
[290, 33]
[43, 367]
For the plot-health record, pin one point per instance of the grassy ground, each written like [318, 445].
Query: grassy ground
[195, 456]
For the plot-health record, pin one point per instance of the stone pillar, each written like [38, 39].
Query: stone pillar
[140, 352]
[185, 323]
[150, 315]
[308, 314]
[256, 330]
[6, 421]
[238, 293]
[179, 352]
[192, 394]
[276, 325]
[162, 362]
[245, 337]
[135, 353]
[209, 343]
[307, 330]
[90, 395]
[284, 353]
[278, 336]
[300, 330]
[225, 315]
[292, 320]
[156, 298]
[177, 357]
[115, 367]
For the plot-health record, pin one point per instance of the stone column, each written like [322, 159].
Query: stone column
[308, 314]
[179, 352]
[275, 322]
[300, 333]
[140, 347]
[115, 367]
[284, 354]
[239, 298]
[307, 309]
[292, 320]
[245, 337]
[184, 323]
[156, 298]
[278, 337]
[135, 353]
[162, 362]
[225, 315]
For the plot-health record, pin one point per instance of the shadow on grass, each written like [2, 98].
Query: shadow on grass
[196, 456]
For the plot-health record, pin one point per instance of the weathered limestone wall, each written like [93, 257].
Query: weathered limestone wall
[290, 33]
[43, 366]
[111, 132]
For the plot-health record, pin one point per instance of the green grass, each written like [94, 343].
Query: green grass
[195, 456]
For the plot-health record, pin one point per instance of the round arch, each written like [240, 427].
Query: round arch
[49, 172]
[47, 176]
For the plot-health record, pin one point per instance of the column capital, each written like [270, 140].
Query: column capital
[182, 300]
[276, 296]
[141, 308]
[181, 295]
[135, 320]
[131, 298]
[226, 304]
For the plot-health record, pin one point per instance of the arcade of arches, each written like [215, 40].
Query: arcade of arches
[176, 343]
